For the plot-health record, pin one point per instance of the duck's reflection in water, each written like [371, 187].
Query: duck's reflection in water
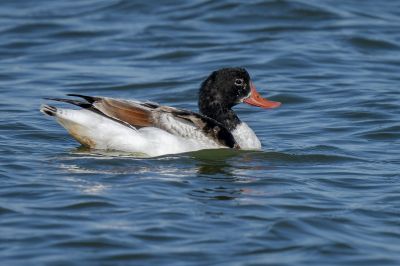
[223, 174]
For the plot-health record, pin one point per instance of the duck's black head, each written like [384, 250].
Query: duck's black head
[226, 88]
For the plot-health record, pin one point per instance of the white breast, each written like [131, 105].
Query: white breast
[245, 137]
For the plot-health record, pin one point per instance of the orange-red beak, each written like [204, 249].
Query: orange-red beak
[255, 99]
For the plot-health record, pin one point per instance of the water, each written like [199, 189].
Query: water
[324, 190]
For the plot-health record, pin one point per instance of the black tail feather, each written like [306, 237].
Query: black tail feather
[48, 110]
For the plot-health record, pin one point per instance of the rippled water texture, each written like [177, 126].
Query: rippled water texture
[325, 190]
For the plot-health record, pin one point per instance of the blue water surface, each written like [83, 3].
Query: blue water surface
[325, 189]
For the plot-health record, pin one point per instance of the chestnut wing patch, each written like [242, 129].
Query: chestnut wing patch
[134, 113]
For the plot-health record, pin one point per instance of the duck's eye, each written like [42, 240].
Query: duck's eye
[239, 82]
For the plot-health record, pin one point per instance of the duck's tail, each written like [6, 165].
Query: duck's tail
[81, 124]
[48, 110]
[92, 129]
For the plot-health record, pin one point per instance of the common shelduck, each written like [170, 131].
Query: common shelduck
[153, 129]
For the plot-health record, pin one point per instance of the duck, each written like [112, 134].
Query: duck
[152, 129]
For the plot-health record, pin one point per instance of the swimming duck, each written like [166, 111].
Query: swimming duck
[154, 130]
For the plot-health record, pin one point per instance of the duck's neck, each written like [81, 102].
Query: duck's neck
[224, 115]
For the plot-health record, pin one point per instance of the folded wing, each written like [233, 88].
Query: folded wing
[137, 114]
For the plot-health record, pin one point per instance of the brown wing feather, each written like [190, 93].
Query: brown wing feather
[132, 113]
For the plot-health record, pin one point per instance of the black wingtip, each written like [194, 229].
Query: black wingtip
[74, 102]
[89, 99]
